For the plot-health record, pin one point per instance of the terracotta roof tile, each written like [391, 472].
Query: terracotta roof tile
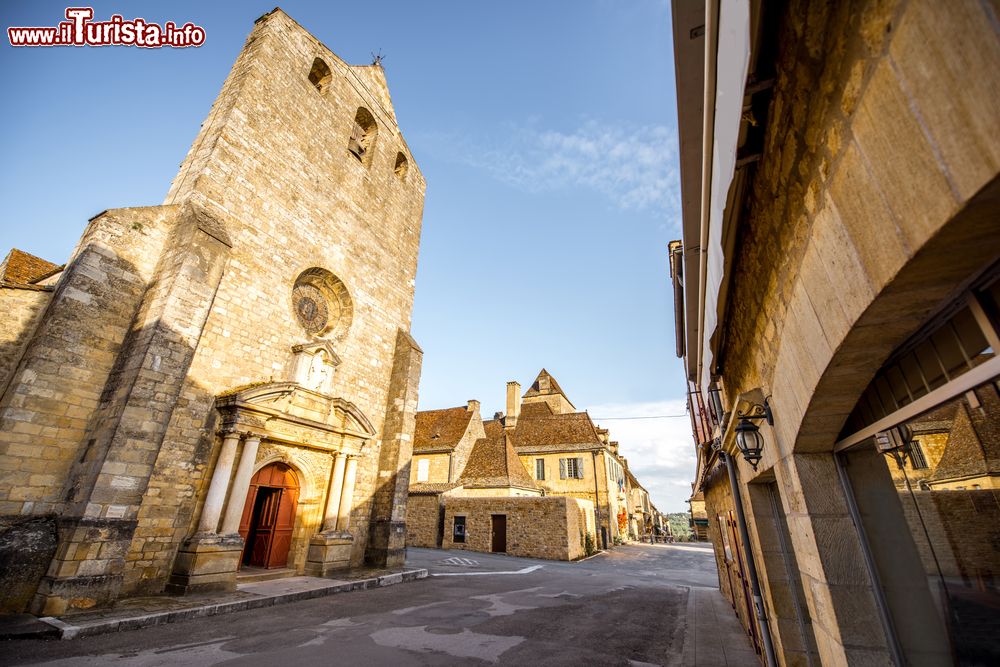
[494, 463]
[427, 489]
[440, 429]
[538, 431]
[24, 268]
[973, 442]
[536, 410]
[536, 390]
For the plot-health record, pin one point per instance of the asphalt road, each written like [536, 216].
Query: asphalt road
[625, 607]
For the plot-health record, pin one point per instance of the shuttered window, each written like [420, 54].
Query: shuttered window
[571, 468]
[423, 470]
[540, 469]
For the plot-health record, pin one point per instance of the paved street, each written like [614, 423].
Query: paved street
[636, 605]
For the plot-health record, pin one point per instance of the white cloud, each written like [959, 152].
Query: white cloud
[633, 166]
[660, 452]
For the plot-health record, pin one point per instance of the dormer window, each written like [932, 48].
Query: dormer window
[320, 75]
[362, 141]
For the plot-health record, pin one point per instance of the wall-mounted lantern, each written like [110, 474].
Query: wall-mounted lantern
[748, 437]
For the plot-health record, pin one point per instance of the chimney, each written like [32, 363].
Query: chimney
[473, 406]
[513, 404]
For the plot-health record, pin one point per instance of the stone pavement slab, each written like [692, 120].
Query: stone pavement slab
[715, 637]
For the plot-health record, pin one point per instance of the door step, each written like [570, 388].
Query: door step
[249, 575]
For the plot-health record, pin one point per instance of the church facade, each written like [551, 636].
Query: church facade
[227, 380]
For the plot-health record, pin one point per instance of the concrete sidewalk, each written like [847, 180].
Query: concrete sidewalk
[714, 636]
[135, 613]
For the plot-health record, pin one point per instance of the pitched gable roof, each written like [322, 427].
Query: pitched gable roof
[545, 384]
[440, 429]
[493, 463]
[535, 411]
[973, 442]
[574, 428]
[24, 268]
[538, 429]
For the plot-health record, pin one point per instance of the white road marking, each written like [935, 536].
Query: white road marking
[407, 610]
[460, 562]
[525, 570]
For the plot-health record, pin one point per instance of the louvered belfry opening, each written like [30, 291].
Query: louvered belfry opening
[363, 135]
[320, 75]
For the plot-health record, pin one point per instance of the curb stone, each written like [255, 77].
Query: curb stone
[89, 629]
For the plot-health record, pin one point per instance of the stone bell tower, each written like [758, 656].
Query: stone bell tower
[244, 343]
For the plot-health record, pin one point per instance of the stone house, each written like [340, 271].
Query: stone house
[558, 452]
[442, 442]
[225, 380]
[564, 451]
[495, 506]
[837, 294]
[698, 520]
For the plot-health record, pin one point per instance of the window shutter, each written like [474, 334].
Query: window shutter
[579, 467]
[562, 468]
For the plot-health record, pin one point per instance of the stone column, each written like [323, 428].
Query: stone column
[330, 550]
[336, 489]
[347, 498]
[208, 560]
[238, 493]
[216, 498]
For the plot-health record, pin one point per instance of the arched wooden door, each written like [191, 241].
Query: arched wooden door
[269, 516]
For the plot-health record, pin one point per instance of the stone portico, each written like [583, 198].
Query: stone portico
[321, 438]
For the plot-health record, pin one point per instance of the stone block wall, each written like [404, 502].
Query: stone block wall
[387, 537]
[108, 418]
[437, 469]
[539, 527]
[272, 161]
[875, 198]
[423, 520]
[593, 487]
[22, 309]
[47, 408]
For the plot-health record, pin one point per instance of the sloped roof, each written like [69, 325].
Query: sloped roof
[440, 429]
[536, 410]
[494, 463]
[24, 268]
[431, 489]
[553, 387]
[538, 430]
[973, 442]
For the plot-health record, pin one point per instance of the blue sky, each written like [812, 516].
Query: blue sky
[547, 135]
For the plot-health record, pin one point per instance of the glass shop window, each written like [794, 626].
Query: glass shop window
[928, 495]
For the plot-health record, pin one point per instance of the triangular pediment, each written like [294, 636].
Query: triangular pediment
[288, 412]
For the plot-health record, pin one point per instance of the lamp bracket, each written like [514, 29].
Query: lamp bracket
[758, 411]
